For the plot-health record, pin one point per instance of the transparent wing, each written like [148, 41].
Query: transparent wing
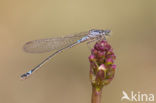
[46, 45]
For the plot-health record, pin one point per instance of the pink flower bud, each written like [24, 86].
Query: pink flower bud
[102, 67]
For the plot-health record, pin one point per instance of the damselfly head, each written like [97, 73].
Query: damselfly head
[106, 32]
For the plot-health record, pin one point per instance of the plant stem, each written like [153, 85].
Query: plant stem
[96, 95]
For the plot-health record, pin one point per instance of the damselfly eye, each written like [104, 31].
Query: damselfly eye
[106, 32]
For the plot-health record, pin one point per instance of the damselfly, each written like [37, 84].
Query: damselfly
[61, 43]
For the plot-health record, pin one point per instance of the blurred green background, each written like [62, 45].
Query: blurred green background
[65, 79]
